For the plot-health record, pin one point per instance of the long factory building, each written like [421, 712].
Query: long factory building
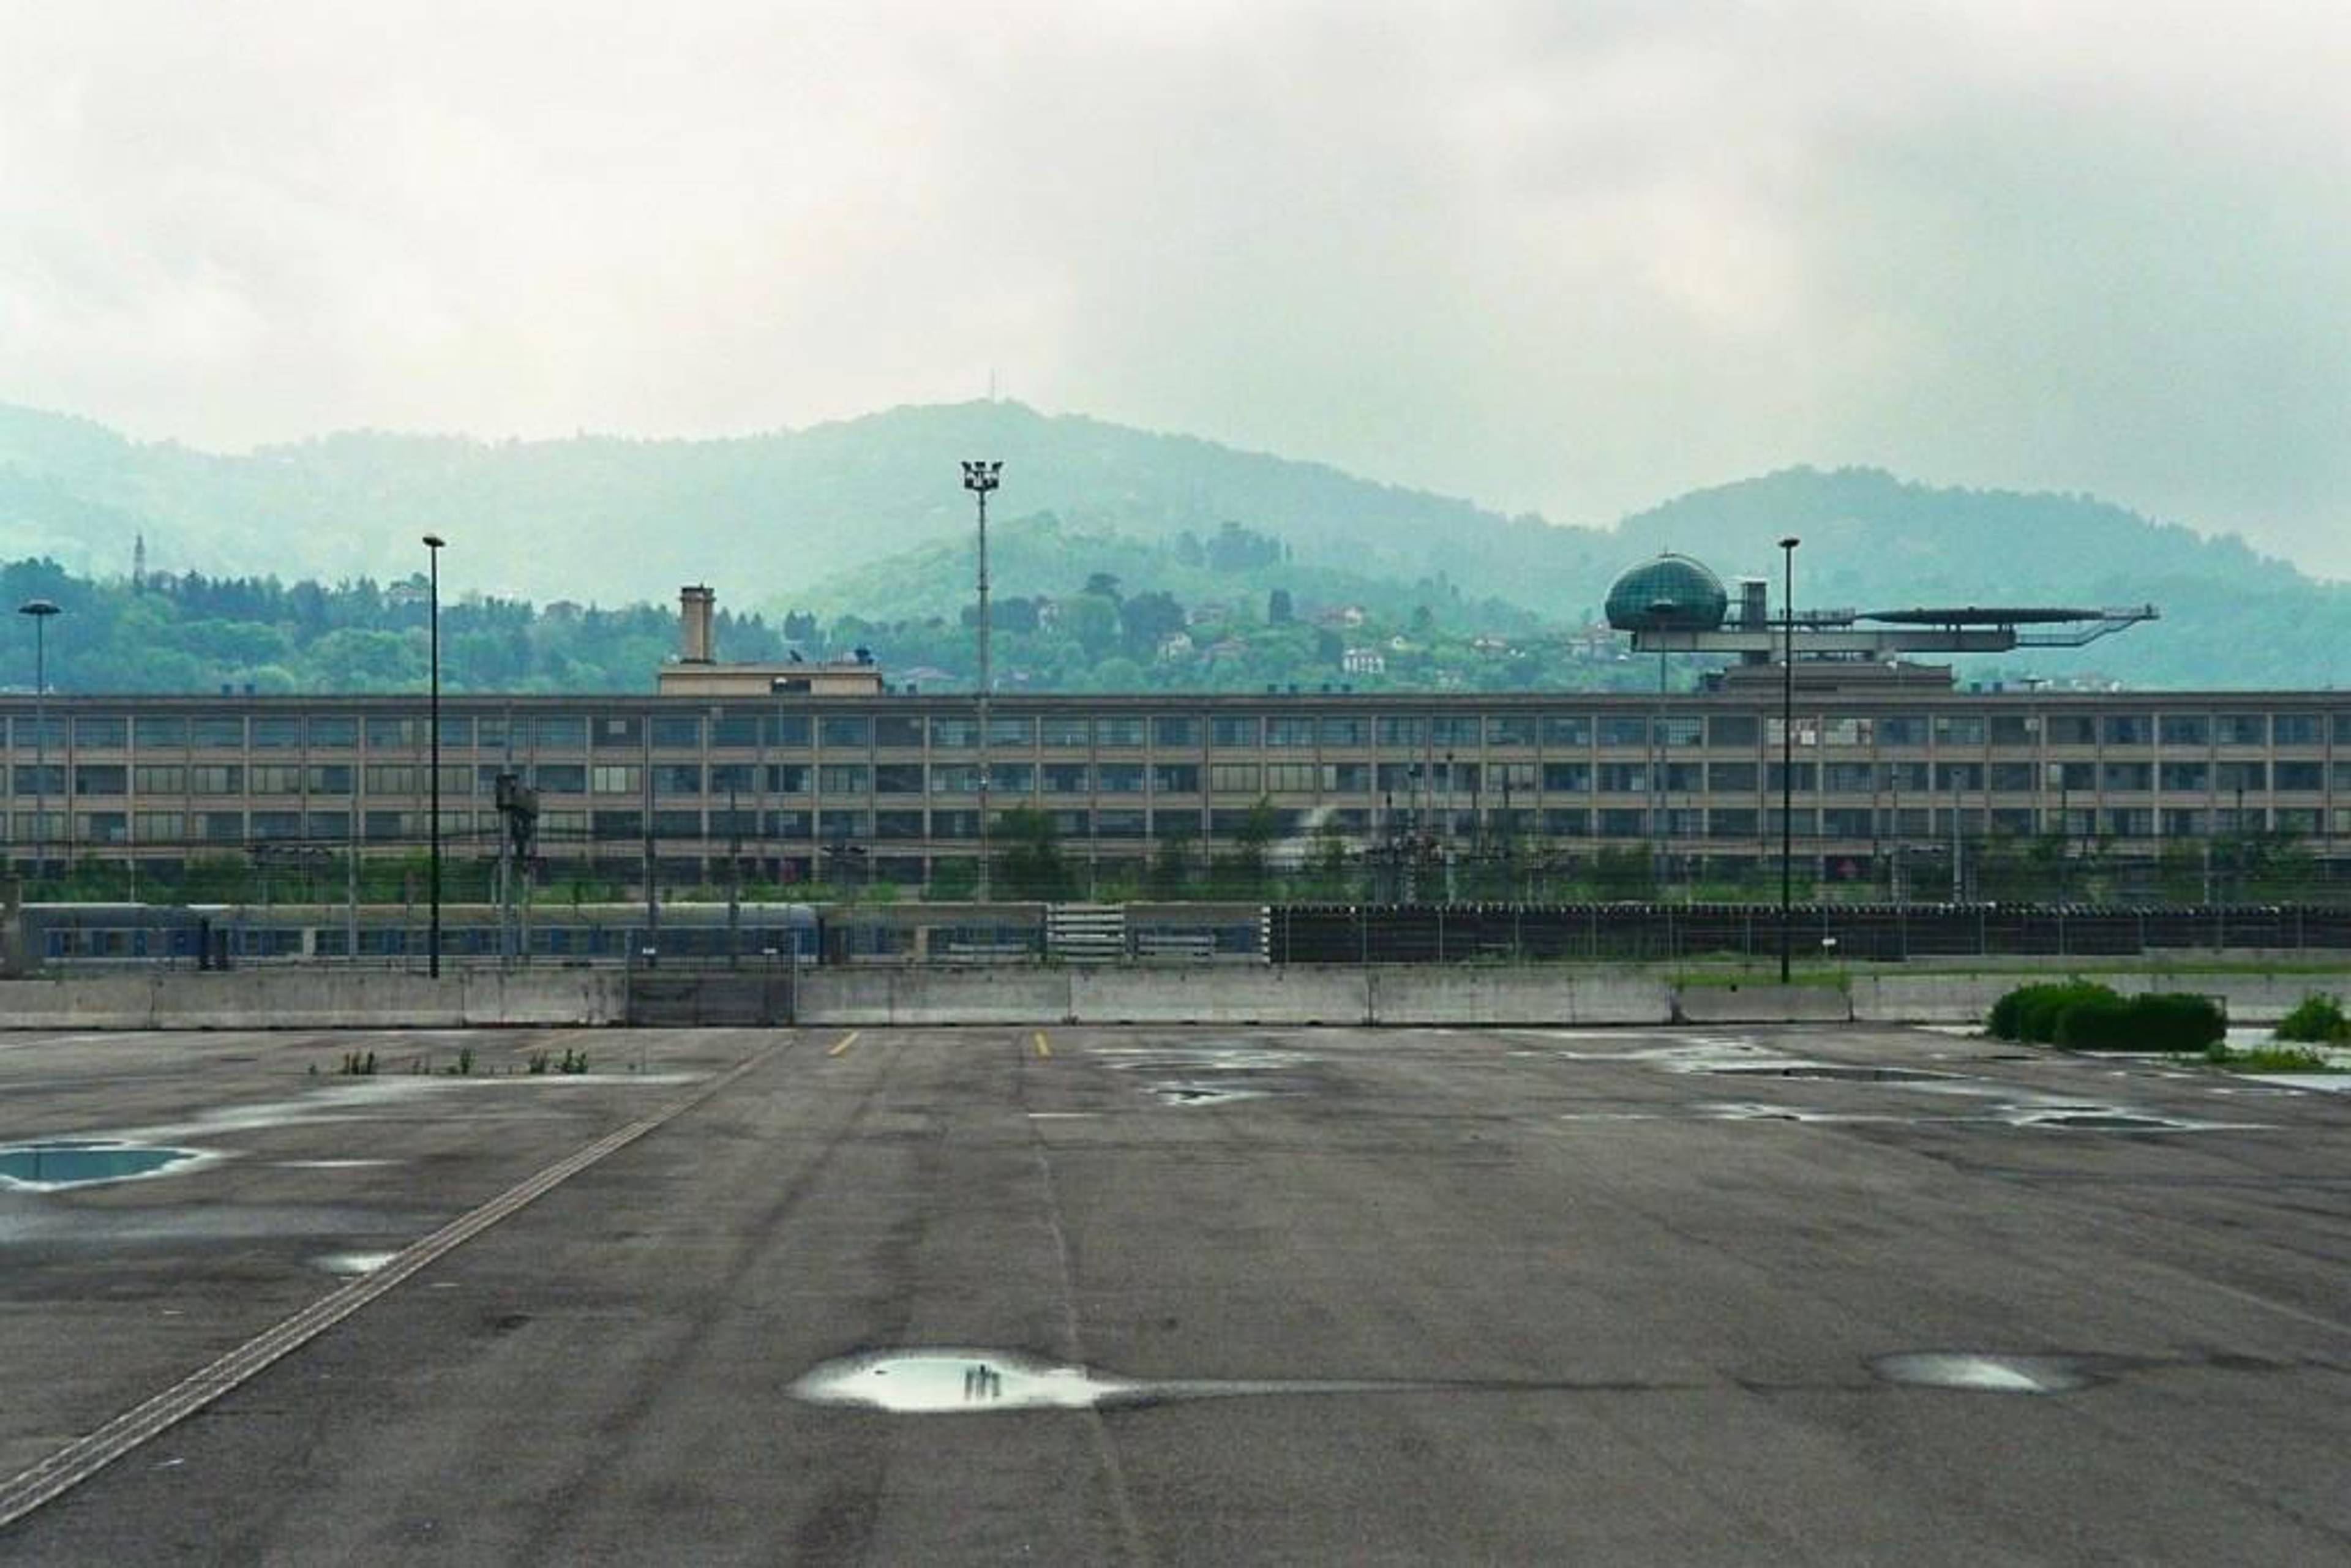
[794, 771]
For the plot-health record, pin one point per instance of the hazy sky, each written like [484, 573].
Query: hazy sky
[1564, 257]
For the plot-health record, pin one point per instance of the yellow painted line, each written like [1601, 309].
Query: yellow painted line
[846, 1041]
[1043, 1048]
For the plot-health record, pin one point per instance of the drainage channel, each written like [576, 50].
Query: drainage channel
[86, 1456]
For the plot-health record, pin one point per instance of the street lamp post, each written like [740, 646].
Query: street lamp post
[980, 476]
[433, 547]
[1787, 748]
[40, 610]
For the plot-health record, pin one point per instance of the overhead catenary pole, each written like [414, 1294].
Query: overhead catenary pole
[1787, 748]
[980, 476]
[433, 544]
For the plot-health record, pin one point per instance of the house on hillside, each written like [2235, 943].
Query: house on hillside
[1363, 662]
[1176, 647]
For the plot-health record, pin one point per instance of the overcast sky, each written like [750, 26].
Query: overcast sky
[1565, 257]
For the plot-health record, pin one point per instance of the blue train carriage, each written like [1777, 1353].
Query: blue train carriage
[111, 936]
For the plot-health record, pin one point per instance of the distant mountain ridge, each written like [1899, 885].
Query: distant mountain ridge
[792, 516]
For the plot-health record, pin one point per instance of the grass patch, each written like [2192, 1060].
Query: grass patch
[2270, 1058]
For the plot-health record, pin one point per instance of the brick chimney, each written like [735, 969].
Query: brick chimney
[695, 606]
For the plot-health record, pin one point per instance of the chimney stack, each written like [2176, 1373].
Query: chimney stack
[695, 605]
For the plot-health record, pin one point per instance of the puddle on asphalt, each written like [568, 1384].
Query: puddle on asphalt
[84, 1162]
[940, 1382]
[1200, 1058]
[2039, 1115]
[1835, 1072]
[1215, 1073]
[1977, 1374]
[2104, 1122]
[350, 1265]
[393, 1095]
[1761, 1113]
[1202, 1093]
[945, 1382]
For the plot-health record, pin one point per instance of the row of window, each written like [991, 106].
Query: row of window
[156, 779]
[854, 826]
[747, 728]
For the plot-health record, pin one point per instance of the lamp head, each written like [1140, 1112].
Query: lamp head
[981, 475]
[434, 541]
[39, 607]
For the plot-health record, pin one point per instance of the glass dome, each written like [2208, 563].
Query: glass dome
[1671, 593]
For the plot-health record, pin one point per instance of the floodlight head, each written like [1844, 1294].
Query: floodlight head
[1790, 542]
[981, 474]
[38, 607]
[434, 541]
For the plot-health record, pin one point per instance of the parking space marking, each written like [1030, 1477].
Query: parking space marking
[1043, 1048]
[843, 1044]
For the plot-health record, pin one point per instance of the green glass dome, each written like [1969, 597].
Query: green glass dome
[1671, 593]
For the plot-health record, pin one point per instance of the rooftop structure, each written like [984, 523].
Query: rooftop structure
[1674, 605]
[696, 672]
[1671, 593]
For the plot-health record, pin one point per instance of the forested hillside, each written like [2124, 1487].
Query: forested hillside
[864, 521]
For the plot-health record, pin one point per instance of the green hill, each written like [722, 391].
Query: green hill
[866, 517]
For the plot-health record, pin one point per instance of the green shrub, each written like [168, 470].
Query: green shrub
[2316, 1021]
[2031, 1012]
[2164, 1020]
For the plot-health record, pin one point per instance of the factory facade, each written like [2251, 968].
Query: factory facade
[794, 785]
[798, 772]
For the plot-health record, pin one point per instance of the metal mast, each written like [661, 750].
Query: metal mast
[980, 476]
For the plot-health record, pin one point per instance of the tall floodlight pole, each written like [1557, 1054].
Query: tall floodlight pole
[40, 610]
[979, 477]
[433, 547]
[1787, 748]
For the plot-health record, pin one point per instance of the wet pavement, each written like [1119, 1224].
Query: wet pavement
[1686, 1295]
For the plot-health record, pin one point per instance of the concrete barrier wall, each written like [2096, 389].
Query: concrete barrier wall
[313, 998]
[1204, 994]
[1220, 994]
[1232, 993]
[1763, 1004]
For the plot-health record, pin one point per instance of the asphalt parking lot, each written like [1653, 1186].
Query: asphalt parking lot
[1171, 1296]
